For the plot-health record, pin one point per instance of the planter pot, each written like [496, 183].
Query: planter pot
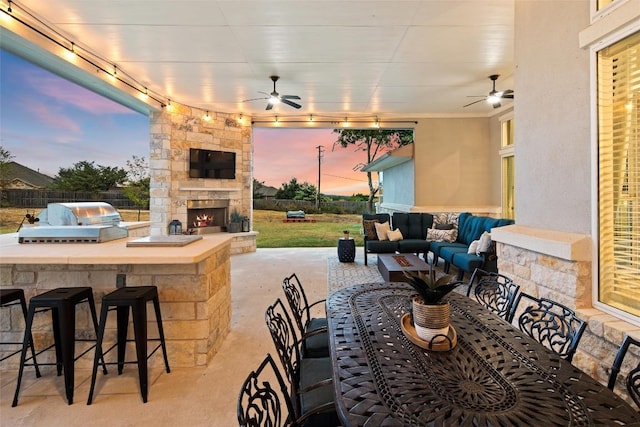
[234, 227]
[431, 321]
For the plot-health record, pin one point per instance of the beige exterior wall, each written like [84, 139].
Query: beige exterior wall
[455, 164]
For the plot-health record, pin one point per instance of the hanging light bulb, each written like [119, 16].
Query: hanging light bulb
[310, 117]
[70, 53]
[168, 105]
[9, 9]
[207, 117]
[240, 119]
[376, 124]
[346, 122]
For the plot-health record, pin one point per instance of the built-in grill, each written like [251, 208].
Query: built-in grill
[80, 222]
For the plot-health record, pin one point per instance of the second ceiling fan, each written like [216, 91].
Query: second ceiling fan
[274, 97]
[494, 96]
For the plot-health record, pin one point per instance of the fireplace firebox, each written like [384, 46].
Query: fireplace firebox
[207, 216]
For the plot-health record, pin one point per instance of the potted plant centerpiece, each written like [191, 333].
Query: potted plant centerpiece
[430, 313]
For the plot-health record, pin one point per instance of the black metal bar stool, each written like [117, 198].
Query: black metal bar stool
[8, 298]
[62, 303]
[136, 299]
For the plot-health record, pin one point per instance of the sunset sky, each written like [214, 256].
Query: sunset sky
[48, 123]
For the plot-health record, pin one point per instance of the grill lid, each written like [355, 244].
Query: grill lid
[80, 213]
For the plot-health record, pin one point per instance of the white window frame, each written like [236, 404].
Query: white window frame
[595, 274]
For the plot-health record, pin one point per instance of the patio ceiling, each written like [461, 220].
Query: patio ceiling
[343, 58]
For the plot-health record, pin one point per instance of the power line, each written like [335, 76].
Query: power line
[344, 177]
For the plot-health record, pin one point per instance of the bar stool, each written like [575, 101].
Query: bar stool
[62, 303]
[8, 298]
[136, 299]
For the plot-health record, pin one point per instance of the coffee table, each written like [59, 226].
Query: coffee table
[392, 266]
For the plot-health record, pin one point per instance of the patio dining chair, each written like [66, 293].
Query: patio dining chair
[494, 291]
[632, 380]
[313, 330]
[310, 381]
[264, 401]
[550, 323]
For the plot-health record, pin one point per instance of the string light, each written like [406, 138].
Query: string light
[311, 117]
[70, 53]
[168, 105]
[9, 9]
[240, 119]
[346, 122]
[207, 117]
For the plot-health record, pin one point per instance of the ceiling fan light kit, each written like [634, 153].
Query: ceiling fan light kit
[495, 97]
[274, 97]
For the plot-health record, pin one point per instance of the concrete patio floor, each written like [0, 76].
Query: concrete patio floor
[186, 396]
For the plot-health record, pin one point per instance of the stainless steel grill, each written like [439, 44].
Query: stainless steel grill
[80, 222]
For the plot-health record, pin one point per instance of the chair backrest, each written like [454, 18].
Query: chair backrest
[494, 291]
[297, 300]
[261, 404]
[286, 342]
[632, 380]
[550, 323]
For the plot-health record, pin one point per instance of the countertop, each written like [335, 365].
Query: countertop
[113, 252]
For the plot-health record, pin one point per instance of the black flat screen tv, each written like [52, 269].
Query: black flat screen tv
[212, 164]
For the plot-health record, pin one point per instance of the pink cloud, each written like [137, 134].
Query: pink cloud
[77, 96]
[51, 117]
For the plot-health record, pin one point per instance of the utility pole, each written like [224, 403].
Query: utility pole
[320, 151]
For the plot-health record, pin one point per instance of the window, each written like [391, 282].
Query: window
[508, 167]
[619, 174]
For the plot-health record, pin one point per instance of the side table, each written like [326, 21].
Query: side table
[346, 250]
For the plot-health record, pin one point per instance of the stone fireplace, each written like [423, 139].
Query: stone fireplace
[207, 216]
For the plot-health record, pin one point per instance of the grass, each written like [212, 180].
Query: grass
[325, 232]
[272, 232]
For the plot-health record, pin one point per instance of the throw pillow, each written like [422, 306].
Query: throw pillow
[382, 230]
[370, 229]
[395, 235]
[473, 247]
[443, 226]
[435, 235]
[484, 243]
[446, 218]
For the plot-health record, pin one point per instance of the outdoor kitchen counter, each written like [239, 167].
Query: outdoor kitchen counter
[194, 285]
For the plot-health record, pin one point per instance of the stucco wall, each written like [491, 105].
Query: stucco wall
[552, 116]
[398, 184]
[455, 163]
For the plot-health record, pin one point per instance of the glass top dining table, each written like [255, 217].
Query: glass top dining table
[494, 376]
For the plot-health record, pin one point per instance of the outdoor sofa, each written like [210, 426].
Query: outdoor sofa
[460, 251]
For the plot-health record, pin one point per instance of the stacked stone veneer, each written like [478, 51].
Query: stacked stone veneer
[173, 133]
[195, 302]
[565, 276]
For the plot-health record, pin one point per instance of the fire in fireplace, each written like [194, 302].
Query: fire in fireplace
[207, 216]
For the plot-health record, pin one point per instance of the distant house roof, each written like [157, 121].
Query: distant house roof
[392, 158]
[267, 191]
[19, 176]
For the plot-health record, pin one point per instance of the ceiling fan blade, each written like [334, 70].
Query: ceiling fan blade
[507, 96]
[253, 99]
[291, 103]
[290, 97]
[269, 106]
[474, 102]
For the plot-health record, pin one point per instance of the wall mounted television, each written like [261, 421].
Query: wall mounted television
[212, 164]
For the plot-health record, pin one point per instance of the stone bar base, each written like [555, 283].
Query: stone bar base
[558, 266]
[194, 287]
[243, 243]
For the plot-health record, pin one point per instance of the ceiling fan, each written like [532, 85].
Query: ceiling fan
[494, 96]
[275, 98]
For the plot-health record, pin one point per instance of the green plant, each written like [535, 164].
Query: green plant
[236, 216]
[430, 289]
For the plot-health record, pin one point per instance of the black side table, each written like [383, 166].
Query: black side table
[346, 250]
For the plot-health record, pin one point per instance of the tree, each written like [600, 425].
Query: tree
[257, 189]
[373, 142]
[5, 158]
[138, 183]
[86, 176]
[296, 191]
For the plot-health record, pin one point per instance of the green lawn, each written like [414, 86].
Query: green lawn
[325, 232]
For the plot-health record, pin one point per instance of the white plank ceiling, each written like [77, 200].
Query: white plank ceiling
[413, 58]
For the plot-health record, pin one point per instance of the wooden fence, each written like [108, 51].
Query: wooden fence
[20, 198]
[347, 207]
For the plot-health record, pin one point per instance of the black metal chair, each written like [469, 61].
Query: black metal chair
[494, 291]
[313, 330]
[550, 323]
[62, 303]
[310, 381]
[8, 298]
[632, 380]
[261, 404]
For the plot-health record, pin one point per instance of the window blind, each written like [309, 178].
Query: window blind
[619, 174]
